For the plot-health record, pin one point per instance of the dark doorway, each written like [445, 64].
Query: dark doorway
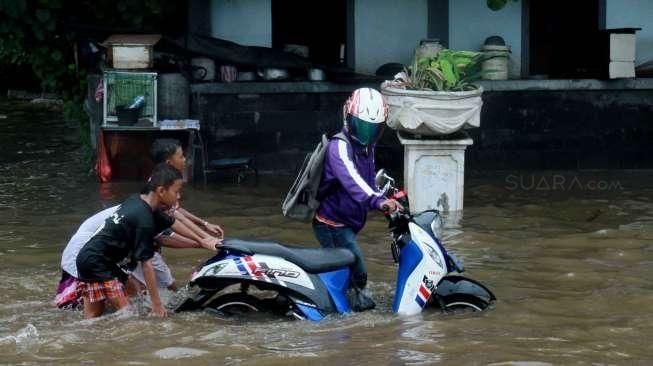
[564, 39]
[321, 26]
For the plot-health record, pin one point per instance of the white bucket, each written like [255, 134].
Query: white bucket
[495, 67]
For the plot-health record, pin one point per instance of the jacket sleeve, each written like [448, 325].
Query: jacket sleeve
[342, 166]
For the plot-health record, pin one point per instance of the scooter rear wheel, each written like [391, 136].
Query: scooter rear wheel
[235, 304]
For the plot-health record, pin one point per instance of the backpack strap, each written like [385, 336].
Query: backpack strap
[340, 136]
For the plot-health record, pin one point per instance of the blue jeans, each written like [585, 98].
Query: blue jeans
[343, 237]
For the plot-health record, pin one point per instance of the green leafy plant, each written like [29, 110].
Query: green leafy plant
[447, 71]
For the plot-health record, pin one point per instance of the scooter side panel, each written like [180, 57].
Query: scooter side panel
[275, 272]
[258, 267]
[409, 258]
[414, 287]
[337, 283]
[310, 313]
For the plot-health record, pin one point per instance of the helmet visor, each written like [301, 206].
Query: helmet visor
[363, 131]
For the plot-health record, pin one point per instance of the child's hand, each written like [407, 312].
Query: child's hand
[159, 311]
[211, 243]
[214, 230]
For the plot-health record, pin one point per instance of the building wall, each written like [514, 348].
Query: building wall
[578, 129]
[632, 14]
[246, 22]
[387, 31]
[383, 35]
[471, 22]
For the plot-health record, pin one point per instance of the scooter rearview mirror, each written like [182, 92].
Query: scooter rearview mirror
[379, 178]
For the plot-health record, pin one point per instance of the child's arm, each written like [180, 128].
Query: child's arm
[179, 216]
[179, 241]
[180, 227]
[150, 282]
[211, 228]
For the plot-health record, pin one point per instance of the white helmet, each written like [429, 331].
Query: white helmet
[364, 114]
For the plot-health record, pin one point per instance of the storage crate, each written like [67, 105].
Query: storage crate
[120, 89]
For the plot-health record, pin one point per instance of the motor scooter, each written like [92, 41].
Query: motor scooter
[302, 283]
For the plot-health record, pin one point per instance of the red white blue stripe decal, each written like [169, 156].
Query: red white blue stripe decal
[241, 267]
[423, 295]
[248, 267]
[252, 267]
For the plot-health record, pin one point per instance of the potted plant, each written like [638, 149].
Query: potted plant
[436, 95]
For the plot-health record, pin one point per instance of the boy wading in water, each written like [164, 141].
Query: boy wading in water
[127, 236]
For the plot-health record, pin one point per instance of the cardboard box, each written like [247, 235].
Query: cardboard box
[621, 69]
[131, 51]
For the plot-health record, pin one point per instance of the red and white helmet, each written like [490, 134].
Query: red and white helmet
[364, 113]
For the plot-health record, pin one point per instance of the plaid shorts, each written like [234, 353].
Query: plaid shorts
[99, 291]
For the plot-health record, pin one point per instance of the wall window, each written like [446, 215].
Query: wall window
[564, 38]
[321, 26]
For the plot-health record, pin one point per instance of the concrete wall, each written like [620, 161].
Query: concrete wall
[246, 22]
[471, 22]
[578, 129]
[387, 31]
[629, 14]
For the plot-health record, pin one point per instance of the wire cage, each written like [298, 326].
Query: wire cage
[121, 88]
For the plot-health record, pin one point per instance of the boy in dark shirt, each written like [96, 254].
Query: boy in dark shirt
[127, 237]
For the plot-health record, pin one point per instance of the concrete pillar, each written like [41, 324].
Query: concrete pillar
[434, 174]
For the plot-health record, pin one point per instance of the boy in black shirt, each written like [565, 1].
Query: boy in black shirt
[127, 236]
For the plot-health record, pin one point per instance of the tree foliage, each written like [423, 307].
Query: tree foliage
[38, 33]
[497, 4]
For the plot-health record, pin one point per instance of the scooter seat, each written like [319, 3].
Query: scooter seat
[311, 260]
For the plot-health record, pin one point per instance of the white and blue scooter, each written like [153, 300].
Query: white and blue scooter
[259, 276]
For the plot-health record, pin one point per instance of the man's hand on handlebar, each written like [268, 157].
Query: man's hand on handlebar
[391, 205]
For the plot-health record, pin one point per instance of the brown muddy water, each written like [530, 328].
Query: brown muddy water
[568, 255]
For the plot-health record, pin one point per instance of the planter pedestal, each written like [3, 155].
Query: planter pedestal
[434, 174]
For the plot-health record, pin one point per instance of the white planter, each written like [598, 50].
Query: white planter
[433, 113]
[434, 173]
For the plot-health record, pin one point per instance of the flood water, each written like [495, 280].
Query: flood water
[568, 255]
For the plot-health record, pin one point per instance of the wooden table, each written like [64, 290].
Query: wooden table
[128, 149]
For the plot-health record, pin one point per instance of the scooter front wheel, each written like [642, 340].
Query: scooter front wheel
[460, 303]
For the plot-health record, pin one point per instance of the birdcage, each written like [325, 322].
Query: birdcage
[123, 88]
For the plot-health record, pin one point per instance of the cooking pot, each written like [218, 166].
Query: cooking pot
[315, 74]
[273, 74]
